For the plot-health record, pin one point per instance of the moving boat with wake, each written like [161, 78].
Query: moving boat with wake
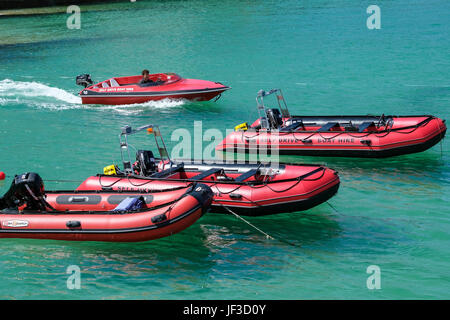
[368, 136]
[28, 211]
[129, 90]
[244, 188]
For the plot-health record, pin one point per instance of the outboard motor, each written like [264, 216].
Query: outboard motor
[28, 189]
[145, 163]
[84, 80]
[274, 117]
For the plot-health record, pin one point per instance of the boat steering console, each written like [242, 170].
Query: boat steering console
[272, 118]
[145, 164]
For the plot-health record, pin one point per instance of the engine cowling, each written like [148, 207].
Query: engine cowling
[84, 80]
[26, 189]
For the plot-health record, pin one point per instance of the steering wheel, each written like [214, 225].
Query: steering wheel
[382, 120]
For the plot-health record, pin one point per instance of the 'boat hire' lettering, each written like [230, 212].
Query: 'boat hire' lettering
[325, 140]
[332, 140]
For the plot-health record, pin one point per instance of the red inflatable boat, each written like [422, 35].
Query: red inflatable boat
[248, 189]
[128, 90]
[347, 136]
[26, 211]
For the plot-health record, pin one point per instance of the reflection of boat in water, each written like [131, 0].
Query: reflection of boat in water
[128, 90]
[344, 136]
[26, 211]
[248, 189]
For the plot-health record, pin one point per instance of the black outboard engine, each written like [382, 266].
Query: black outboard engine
[84, 80]
[27, 188]
[145, 163]
[274, 117]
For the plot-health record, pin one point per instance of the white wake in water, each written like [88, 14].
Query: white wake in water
[29, 91]
[39, 95]
[141, 107]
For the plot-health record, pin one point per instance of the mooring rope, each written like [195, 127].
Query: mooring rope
[247, 222]
[59, 180]
[335, 210]
[259, 230]
[440, 136]
[49, 180]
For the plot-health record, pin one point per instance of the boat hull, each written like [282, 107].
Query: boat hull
[296, 188]
[129, 90]
[422, 135]
[143, 225]
[113, 99]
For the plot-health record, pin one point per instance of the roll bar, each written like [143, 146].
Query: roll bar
[124, 146]
[282, 105]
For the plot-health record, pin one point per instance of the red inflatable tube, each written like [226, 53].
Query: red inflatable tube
[346, 136]
[290, 188]
[107, 200]
[142, 225]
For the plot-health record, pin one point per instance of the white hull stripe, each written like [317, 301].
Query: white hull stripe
[94, 94]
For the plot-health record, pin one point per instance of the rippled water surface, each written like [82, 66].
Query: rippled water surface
[393, 213]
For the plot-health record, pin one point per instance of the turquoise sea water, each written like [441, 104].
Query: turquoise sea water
[393, 213]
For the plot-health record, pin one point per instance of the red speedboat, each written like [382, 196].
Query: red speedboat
[346, 136]
[128, 90]
[27, 211]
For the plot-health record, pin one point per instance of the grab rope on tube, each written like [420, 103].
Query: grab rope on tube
[388, 131]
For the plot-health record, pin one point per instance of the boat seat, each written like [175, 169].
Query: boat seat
[167, 172]
[246, 175]
[350, 127]
[130, 204]
[328, 126]
[205, 174]
[114, 83]
[149, 84]
[363, 126]
[105, 85]
[292, 127]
